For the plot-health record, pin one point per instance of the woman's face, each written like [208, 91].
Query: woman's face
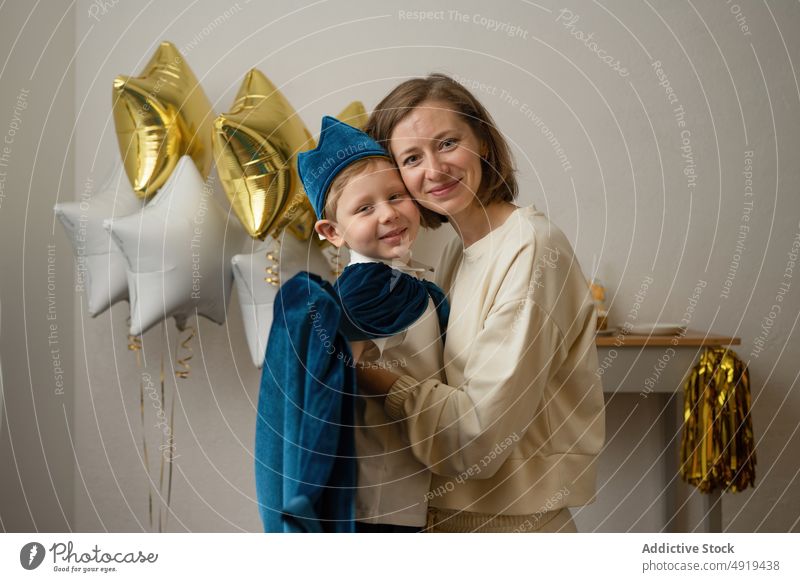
[439, 157]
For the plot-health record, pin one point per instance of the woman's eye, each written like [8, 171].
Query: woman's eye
[448, 143]
[410, 160]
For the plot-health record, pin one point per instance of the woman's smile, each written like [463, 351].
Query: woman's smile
[444, 189]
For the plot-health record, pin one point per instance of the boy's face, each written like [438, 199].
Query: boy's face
[375, 215]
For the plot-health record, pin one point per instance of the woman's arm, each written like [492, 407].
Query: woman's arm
[453, 428]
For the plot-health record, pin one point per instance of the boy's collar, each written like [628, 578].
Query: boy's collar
[411, 267]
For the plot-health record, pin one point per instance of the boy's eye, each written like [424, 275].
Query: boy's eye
[363, 209]
[396, 196]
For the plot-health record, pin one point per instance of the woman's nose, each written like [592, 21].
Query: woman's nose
[436, 169]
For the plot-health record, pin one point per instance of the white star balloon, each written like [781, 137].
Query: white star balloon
[100, 265]
[259, 274]
[178, 262]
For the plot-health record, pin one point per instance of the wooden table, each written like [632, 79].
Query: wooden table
[658, 365]
[693, 339]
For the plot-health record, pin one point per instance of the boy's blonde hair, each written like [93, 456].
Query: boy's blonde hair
[341, 181]
[361, 167]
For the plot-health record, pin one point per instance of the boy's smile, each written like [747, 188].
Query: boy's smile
[394, 235]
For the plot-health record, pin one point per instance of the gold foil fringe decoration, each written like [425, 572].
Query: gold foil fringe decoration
[717, 445]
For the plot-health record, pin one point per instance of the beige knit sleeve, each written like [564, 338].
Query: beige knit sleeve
[452, 428]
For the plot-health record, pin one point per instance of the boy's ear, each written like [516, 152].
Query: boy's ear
[330, 231]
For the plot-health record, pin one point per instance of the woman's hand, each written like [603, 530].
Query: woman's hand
[376, 381]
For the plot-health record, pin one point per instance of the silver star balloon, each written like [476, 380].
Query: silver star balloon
[101, 268]
[178, 262]
[259, 274]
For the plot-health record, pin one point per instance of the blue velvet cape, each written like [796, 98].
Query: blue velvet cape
[305, 461]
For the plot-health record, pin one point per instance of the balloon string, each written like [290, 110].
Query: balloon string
[182, 371]
[161, 470]
[135, 345]
[171, 461]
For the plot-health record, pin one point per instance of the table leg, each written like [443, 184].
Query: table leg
[674, 501]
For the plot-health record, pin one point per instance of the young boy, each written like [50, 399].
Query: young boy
[362, 204]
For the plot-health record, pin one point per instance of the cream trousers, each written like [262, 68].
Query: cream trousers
[451, 521]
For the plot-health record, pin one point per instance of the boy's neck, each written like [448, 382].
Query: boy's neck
[361, 258]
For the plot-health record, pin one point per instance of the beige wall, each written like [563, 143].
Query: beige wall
[618, 187]
[37, 112]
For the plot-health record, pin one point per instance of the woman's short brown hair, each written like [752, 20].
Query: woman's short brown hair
[498, 182]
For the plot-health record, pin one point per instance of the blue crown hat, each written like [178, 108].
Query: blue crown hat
[339, 146]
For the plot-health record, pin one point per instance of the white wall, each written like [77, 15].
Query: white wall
[623, 196]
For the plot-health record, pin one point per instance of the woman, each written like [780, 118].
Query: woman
[513, 436]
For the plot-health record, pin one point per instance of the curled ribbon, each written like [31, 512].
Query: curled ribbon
[273, 271]
[182, 367]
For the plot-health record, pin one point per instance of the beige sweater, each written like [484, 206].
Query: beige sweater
[519, 425]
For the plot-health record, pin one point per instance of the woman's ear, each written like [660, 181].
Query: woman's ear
[329, 230]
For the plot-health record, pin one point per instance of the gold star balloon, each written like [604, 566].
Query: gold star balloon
[161, 115]
[355, 115]
[256, 146]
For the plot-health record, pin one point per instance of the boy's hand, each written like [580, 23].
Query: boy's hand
[357, 348]
[375, 381]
